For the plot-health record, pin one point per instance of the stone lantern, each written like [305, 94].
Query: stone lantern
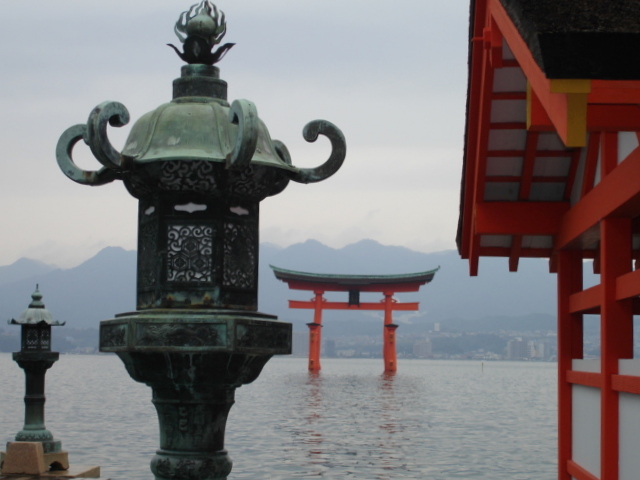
[35, 358]
[199, 167]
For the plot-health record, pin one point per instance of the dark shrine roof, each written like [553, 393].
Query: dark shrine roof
[353, 280]
[590, 39]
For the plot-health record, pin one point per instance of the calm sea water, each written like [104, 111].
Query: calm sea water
[434, 420]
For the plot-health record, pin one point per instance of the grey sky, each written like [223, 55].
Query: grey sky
[391, 75]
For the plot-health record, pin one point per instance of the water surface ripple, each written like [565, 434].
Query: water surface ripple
[435, 420]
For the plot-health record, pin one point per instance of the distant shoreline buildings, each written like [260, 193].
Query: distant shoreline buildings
[518, 346]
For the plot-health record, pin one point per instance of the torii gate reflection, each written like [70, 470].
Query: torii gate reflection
[388, 285]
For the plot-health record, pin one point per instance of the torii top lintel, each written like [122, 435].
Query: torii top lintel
[410, 282]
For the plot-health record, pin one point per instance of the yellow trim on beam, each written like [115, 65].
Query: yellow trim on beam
[569, 86]
[576, 91]
[576, 135]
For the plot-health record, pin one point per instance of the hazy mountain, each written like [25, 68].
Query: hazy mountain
[497, 299]
[22, 269]
[82, 296]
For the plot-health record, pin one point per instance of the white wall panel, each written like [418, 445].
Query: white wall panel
[581, 365]
[629, 436]
[586, 428]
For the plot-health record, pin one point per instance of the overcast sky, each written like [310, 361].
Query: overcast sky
[391, 75]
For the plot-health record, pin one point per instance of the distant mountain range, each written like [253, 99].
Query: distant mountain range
[497, 299]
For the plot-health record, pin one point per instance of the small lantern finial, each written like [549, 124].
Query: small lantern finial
[36, 297]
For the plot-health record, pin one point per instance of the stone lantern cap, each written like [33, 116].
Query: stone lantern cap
[36, 313]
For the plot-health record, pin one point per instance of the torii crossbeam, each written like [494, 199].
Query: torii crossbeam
[353, 284]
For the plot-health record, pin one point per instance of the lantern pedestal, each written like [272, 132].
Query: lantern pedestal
[20, 457]
[35, 366]
[193, 361]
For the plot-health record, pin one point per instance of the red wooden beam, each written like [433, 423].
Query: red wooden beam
[479, 118]
[628, 285]
[508, 96]
[588, 379]
[616, 335]
[517, 179]
[570, 346]
[626, 383]
[539, 153]
[537, 118]
[591, 162]
[609, 153]
[514, 255]
[520, 218]
[407, 306]
[508, 126]
[586, 300]
[493, 42]
[528, 164]
[476, 73]
[571, 176]
[614, 196]
[524, 252]
[613, 118]
[579, 473]
[615, 91]
[474, 255]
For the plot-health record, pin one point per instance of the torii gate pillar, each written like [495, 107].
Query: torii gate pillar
[315, 334]
[389, 336]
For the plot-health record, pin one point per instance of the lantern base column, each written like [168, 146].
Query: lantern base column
[194, 361]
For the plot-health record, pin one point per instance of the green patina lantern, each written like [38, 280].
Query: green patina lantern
[35, 358]
[199, 167]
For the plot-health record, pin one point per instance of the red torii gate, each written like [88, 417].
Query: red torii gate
[388, 285]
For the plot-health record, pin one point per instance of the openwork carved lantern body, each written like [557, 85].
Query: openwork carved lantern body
[199, 166]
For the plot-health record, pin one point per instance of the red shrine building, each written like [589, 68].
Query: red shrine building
[552, 170]
[353, 285]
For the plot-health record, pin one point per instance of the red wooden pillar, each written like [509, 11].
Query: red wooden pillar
[315, 334]
[616, 334]
[389, 336]
[570, 344]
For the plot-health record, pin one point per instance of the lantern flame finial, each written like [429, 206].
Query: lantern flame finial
[199, 29]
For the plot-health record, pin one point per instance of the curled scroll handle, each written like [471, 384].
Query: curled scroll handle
[94, 134]
[67, 141]
[116, 115]
[338, 152]
[244, 114]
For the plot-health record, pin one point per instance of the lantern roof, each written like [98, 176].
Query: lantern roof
[36, 313]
